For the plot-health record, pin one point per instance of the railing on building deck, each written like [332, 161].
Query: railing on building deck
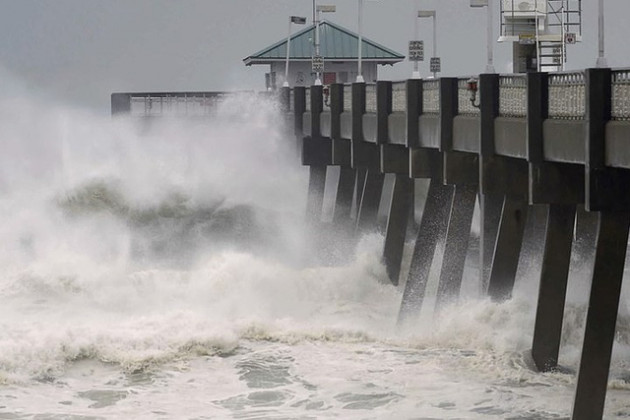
[513, 96]
[399, 97]
[566, 96]
[430, 97]
[370, 97]
[621, 95]
[464, 106]
[176, 104]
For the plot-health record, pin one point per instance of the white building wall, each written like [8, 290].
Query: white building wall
[300, 73]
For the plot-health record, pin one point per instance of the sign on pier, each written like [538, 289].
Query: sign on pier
[416, 50]
[318, 64]
[436, 65]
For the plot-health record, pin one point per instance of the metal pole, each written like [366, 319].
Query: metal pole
[490, 64]
[416, 71]
[601, 59]
[434, 40]
[317, 79]
[360, 49]
[537, 34]
[563, 37]
[286, 65]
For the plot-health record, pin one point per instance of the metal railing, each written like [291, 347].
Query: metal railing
[430, 97]
[370, 98]
[464, 106]
[399, 97]
[347, 97]
[620, 95]
[176, 104]
[513, 96]
[566, 96]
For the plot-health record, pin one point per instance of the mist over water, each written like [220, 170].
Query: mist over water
[165, 270]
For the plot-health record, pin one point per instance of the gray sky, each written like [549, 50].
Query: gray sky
[79, 51]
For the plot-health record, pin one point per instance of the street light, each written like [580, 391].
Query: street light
[318, 61]
[298, 20]
[601, 58]
[488, 5]
[431, 14]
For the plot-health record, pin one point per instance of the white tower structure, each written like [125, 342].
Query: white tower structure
[540, 31]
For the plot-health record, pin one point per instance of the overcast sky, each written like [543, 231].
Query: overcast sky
[79, 51]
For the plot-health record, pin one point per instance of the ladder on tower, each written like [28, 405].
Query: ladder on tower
[563, 26]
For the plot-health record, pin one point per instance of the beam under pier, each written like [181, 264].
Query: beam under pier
[507, 249]
[432, 229]
[399, 211]
[553, 285]
[315, 199]
[367, 216]
[456, 246]
[345, 194]
[490, 215]
[610, 255]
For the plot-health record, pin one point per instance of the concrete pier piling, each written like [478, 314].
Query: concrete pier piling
[531, 144]
[559, 142]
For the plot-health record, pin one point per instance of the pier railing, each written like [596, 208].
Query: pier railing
[621, 95]
[566, 96]
[430, 97]
[513, 96]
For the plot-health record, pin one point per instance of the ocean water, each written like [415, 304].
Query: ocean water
[167, 272]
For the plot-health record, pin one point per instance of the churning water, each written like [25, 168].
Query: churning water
[167, 272]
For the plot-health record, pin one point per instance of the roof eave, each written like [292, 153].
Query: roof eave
[255, 60]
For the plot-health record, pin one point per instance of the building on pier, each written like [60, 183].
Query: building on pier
[540, 31]
[338, 48]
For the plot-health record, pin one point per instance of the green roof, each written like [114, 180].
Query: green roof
[335, 43]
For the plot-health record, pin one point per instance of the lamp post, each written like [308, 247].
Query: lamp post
[416, 71]
[431, 14]
[360, 47]
[601, 58]
[319, 9]
[488, 5]
[298, 20]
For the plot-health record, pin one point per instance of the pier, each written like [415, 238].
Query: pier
[539, 152]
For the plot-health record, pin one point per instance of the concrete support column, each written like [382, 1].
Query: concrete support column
[606, 192]
[456, 246]
[399, 209]
[285, 99]
[345, 194]
[490, 201]
[299, 107]
[490, 206]
[316, 152]
[507, 249]
[606, 187]
[553, 285]
[432, 230]
[371, 191]
[414, 110]
[612, 241]
[383, 110]
[315, 198]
